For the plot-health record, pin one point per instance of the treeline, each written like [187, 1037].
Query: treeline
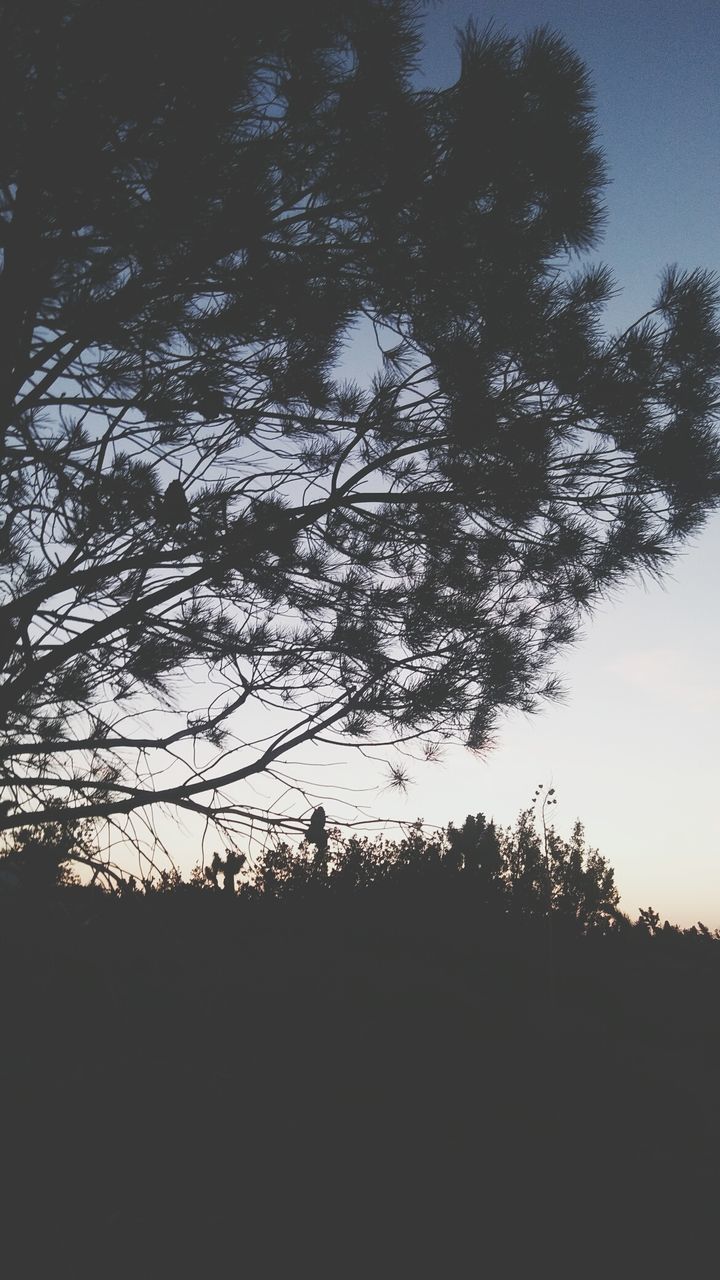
[524, 872]
[347, 1030]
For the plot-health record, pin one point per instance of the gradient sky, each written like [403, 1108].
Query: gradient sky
[633, 750]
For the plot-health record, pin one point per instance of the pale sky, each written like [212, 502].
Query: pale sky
[633, 751]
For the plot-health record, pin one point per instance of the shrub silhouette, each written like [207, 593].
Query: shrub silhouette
[649, 921]
[508, 871]
[38, 859]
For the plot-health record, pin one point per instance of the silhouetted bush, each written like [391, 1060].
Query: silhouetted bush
[522, 871]
[39, 859]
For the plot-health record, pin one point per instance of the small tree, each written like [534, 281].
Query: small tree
[583, 883]
[283, 870]
[475, 848]
[524, 869]
[39, 859]
[542, 872]
[228, 869]
[649, 921]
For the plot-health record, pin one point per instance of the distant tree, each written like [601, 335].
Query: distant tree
[475, 848]
[649, 921]
[583, 888]
[542, 872]
[283, 870]
[524, 867]
[359, 862]
[419, 854]
[227, 868]
[201, 513]
[39, 859]
[168, 880]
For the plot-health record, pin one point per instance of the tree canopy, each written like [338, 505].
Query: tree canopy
[207, 509]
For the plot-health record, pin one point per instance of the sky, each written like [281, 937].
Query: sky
[633, 749]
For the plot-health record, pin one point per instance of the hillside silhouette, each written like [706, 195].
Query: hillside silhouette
[391, 1049]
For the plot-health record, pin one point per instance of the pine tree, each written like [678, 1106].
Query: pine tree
[202, 515]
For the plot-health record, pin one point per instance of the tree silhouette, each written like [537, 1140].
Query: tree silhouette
[39, 859]
[228, 869]
[475, 848]
[542, 873]
[202, 514]
[649, 921]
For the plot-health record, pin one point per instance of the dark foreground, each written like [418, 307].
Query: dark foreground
[350, 1086]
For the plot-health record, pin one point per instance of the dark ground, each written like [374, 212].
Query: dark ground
[350, 1087]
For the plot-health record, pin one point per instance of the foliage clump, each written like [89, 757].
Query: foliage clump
[37, 860]
[521, 871]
